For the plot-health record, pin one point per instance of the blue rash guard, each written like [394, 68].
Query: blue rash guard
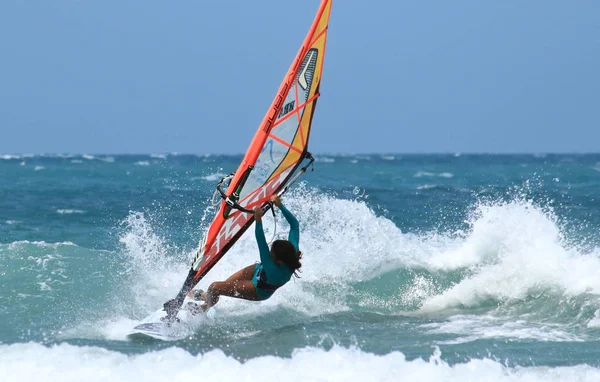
[268, 275]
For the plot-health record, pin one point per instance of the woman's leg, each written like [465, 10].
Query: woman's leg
[238, 285]
[243, 274]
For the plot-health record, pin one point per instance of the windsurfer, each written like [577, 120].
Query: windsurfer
[259, 281]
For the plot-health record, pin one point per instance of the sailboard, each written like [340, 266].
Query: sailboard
[277, 156]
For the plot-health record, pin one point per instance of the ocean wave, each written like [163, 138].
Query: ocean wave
[428, 186]
[509, 249]
[421, 174]
[514, 252]
[142, 163]
[324, 159]
[69, 211]
[511, 254]
[158, 156]
[469, 328]
[21, 243]
[39, 168]
[10, 156]
[67, 362]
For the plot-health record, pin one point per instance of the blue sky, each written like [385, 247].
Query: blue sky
[195, 76]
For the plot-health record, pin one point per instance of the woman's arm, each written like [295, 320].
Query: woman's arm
[263, 247]
[294, 236]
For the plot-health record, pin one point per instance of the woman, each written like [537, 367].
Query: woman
[259, 281]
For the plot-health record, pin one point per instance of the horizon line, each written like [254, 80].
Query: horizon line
[174, 153]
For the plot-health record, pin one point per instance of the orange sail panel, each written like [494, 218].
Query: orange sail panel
[277, 149]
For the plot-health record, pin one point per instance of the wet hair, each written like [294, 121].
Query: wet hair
[284, 251]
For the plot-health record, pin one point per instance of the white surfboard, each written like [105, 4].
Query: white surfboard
[189, 319]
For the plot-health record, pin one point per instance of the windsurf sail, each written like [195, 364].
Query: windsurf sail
[277, 156]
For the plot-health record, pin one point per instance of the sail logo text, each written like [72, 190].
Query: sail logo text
[287, 108]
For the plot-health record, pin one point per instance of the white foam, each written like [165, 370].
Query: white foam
[142, 163]
[427, 187]
[88, 157]
[470, 328]
[156, 276]
[513, 250]
[64, 362]
[388, 157]
[595, 321]
[39, 168]
[158, 156]
[69, 211]
[107, 159]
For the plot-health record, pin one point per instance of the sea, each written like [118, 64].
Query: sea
[449, 267]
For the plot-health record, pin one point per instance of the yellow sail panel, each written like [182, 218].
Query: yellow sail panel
[291, 159]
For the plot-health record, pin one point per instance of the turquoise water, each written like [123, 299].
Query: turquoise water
[428, 267]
